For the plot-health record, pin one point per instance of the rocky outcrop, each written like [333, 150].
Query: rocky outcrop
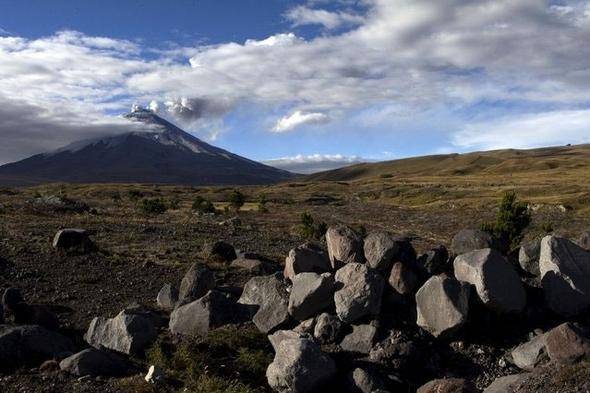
[270, 295]
[344, 246]
[380, 249]
[359, 294]
[299, 366]
[311, 293]
[496, 282]
[565, 276]
[197, 318]
[197, 281]
[308, 257]
[442, 305]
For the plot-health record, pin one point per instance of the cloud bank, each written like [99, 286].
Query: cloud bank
[306, 164]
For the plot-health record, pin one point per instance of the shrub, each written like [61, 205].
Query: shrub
[135, 195]
[173, 204]
[309, 229]
[512, 219]
[153, 206]
[202, 205]
[236, 199]
[262, 203]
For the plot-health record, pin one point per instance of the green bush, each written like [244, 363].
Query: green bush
[202, 205]
[236, 199]
[512, 219]
[309, 229]
[153, 206]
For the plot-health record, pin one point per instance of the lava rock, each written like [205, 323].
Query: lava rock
[506, 384]
[360, 340]
[496, 282]
[360, 292]
[11, 298]
[434, 261]
[469, 240]
[19, 344]
[35, 314]
[526, 356]
[380, 250]
[270, 294]
[565, 276]
[197, 318]
[219, 251]
[73, 239]
[442, 305]
[344, 246]
[448, 385]
[95, 362]
[402, 279]
[528, 257]
[567, 343]
[310, 294]
[363, 381]
[299, 366]
[281, 335]
[396, 352]
[197, 281]
[167, 297]
[327, 328]
[128, 333]
[308, 257]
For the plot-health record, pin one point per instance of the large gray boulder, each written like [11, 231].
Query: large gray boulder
[73, 239]
[197, 281]
[270, 295]
[308, 257]
[403, 279]
[327, 328]
[469, 240]
[527, 355]
[496, 281]
[128, 332]
[95, 362]
[311, 293]
[360, 340]
[380, 250]
[167, 297]
[565, 276]
[568, 343]
[344, 246]
[197, 318]
[299, 366]
[360, 292]
[442, 305]
[528, 256]
[448, 385]
[30, 342]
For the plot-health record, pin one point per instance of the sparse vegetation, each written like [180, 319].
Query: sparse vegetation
[512, 218]
[153, 206]
[310, 229]
[202, 205]
[236, 200]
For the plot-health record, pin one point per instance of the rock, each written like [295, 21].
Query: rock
[528, 256]
[197, 281]
[442, 305]
[327, 328]
[270, 294]
[526, 356]
[434, 261]
[252, 266]
[11, 298]
[402, 279]
[380, 250]
[565, 276]
[95, 362]
[364, 381]
[49, 367]
[360, 340]
[281, 335]
[299, 366]
[197, 318]
[469, 240]
[167, 297]
[128, 333]
[29, 342]
[219, 252]
[359, 294]
[495, 279]
[448, 385]
[35, 314]
[344, 246]
[396, 352]
[73, 239]
[310, 294]
[567, 343]
[155, 375]
[308, 257]
[57, 204]
[406, 253]
[305, 326]
[584, 240]
[506, 384]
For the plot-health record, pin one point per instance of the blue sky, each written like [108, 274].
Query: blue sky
[304, 82]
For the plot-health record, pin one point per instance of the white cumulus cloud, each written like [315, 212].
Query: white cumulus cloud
[298, 119]
[302, 15]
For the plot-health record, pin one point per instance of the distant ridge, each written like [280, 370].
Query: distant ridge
[163, 154]
[494, 162]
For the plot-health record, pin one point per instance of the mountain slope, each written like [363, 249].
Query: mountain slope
[497, 162]
[163, 154]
